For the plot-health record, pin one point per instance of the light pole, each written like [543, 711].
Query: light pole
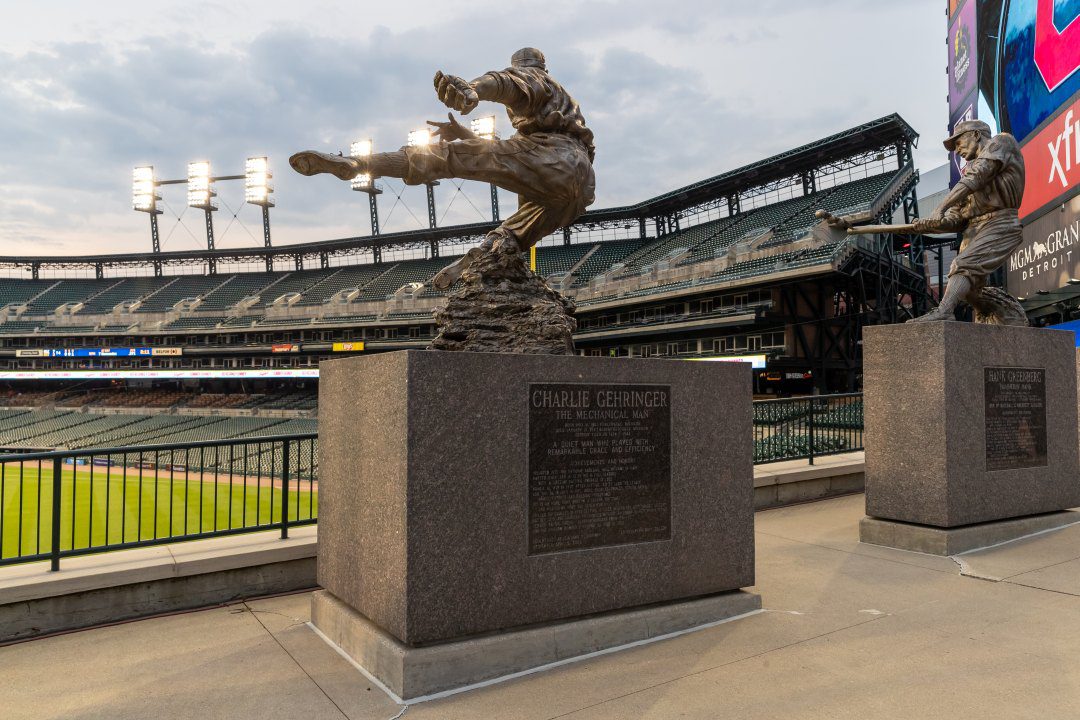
[200, 195]
[144, 198]
[484, 128]
[421, 137]
[365, 183]
[257, 191]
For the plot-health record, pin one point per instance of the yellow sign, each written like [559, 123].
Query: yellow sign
[532, 258]
[348, 347]
[167, 351]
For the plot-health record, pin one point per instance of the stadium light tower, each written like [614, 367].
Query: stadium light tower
[144, 198]
[484, 128]
[257, 191]
[421, 137]
[200, 195]
[365, 183]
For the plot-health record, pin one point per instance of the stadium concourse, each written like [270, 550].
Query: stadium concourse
[728, 267]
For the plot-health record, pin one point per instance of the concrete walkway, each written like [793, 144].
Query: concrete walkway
[849, 631]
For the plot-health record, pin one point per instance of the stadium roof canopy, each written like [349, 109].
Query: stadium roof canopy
[885, 132]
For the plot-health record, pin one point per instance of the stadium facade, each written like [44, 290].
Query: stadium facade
[732, 266]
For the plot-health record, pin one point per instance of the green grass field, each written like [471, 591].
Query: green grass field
[122, 509]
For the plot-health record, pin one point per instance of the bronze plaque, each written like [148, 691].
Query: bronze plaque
[1015, 417]
[599, 465]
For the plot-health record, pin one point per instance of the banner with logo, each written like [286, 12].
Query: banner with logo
[1050, 254]
[348, 347]
[1052, 160]
[963, 68]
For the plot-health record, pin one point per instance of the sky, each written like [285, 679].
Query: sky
[675, 92]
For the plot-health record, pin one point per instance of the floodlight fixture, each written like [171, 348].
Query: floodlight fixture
[257, 187]
[199, 192]
[484, 127]
[144, 195]
[359, 149]
[420, 137]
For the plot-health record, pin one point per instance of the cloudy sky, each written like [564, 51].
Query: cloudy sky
[675, 91]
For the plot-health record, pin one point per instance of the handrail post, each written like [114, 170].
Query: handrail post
[285, 490]
[811, 430]
[54, 551]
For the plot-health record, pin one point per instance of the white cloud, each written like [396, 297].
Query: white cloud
[675, 92]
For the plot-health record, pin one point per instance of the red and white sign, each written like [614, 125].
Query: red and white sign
[284, 347]
[1052, 159]
[1057, 52]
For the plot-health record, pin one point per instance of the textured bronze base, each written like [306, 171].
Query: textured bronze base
[502, 306]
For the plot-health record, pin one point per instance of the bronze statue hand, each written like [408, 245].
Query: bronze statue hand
[456, 93]
[926, 225]
[450, 131]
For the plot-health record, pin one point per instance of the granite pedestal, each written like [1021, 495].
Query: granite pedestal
[967, 425]
[473, 495]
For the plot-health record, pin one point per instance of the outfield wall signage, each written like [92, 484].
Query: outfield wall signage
[100, 352]
[1050, 253]
[157, 374]
[757, 362]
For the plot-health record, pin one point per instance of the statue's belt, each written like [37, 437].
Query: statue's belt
[1005, 213]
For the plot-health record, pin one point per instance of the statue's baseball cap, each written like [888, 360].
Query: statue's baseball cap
[529, 57]
[963, 127]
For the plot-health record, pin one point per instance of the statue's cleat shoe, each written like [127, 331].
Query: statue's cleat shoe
[452, 273]
[935, 315]
[311, 162]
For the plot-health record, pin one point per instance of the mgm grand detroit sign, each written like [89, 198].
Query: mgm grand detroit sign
[1049, 256]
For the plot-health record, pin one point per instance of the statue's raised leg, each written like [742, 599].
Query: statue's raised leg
[311, 162]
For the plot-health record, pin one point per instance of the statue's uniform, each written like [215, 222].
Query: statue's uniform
[548, 162]
[996, 181]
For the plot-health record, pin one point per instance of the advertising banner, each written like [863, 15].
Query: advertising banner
[1050, 253]
[348, 347]
[963, 68]
[967, 112]
[167, 352]
[1052, 160]
[285, 348]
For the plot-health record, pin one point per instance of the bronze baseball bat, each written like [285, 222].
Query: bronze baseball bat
[840, 223]
[872, 229]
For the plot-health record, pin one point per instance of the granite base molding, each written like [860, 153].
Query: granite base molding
[954, 541]
[416, 673]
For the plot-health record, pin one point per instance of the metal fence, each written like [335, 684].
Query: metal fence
[75, 502]
[808, 427]
[66, 503]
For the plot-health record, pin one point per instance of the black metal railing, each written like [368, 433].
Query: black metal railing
[65, 503]
[807, 427]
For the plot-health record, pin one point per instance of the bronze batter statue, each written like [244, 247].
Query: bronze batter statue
[548, 162]
[984, 205]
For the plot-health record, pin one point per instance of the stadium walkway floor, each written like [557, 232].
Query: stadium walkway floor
[848, 631]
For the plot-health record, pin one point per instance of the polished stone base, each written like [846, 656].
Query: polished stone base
[432, 523]
[413, 673]
[953, 541]
[969, 423]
